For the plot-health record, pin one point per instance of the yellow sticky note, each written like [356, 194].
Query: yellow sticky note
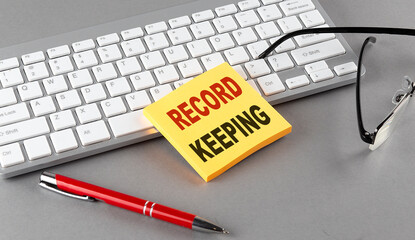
[216, 120]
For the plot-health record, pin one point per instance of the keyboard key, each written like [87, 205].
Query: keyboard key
[318, 52]
[152, 60]
[226, 10]
[287, 45]
[156, 27]
[221, 42]
[248, 4]
[132, 33]
[246, 19]
[199, 48]
[7, 97]
[128, 66]
[345, 68]
[180, 83]
[109, 53]
[43, 106]
[11, 155]
[293, 7]
[212, 60]
[118, 87]
[312, 18]
[142, 80]
[88, 113]
[313, 67]
[113, 106]
[267, 30]
[62, 120]
[13, 113]
[129, 123]
[179, 36]
[156, 41]
[61, 65]
[308, 39]
[93, 133]
[83, 45]
[321, 75]
[166, 74]
[108, 39]
[202, 16]
[175, 54]
[93, 93]
[137, 100]
[33, 58]
[36, 71]
[236, 55]
[11, 77]
[68, 99]
[280, 62]
[85, 59]
[23, 130]
[180, 22]
[257, 68]
[29, 91]
[58, 51]
[37, 148]
[266, 2]
[160, 91]
[6, 64]
[269, 13]
[289, 24]
[202, 30]
[271, 84]
[244, 36]
[224, 24]
[257, 48]
[297, 82]
[104, 72]
[80, 78]
[63, 140]
[133, 47]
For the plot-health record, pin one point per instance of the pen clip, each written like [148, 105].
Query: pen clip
[48, 181]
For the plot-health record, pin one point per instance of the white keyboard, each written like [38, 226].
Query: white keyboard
[81, 93]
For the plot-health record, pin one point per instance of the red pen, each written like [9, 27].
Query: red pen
[85, 191]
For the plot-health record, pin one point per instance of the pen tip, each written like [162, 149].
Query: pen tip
[225, 232]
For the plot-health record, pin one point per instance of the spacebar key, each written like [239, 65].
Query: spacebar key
[318, 52]
[23, 130]
[129, 123]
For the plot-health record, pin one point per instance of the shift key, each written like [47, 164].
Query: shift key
[23, 130]
[318, 52]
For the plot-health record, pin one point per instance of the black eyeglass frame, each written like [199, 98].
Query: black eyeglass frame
[398, 98]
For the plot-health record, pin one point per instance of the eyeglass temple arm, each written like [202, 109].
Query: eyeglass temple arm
[364, 135]
[372, 30]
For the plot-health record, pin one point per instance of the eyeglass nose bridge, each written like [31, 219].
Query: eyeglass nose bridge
[398, 96]
[407, 88]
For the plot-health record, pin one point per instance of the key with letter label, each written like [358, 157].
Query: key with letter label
[93, 133]
[22, 130]
[318, 52]
[10, 155]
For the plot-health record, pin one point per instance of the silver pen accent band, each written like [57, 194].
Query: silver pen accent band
[145, 206]
[151, 209]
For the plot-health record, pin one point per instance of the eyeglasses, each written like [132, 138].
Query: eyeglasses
[401, 97]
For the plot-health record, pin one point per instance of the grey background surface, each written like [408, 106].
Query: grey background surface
[319, 182]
